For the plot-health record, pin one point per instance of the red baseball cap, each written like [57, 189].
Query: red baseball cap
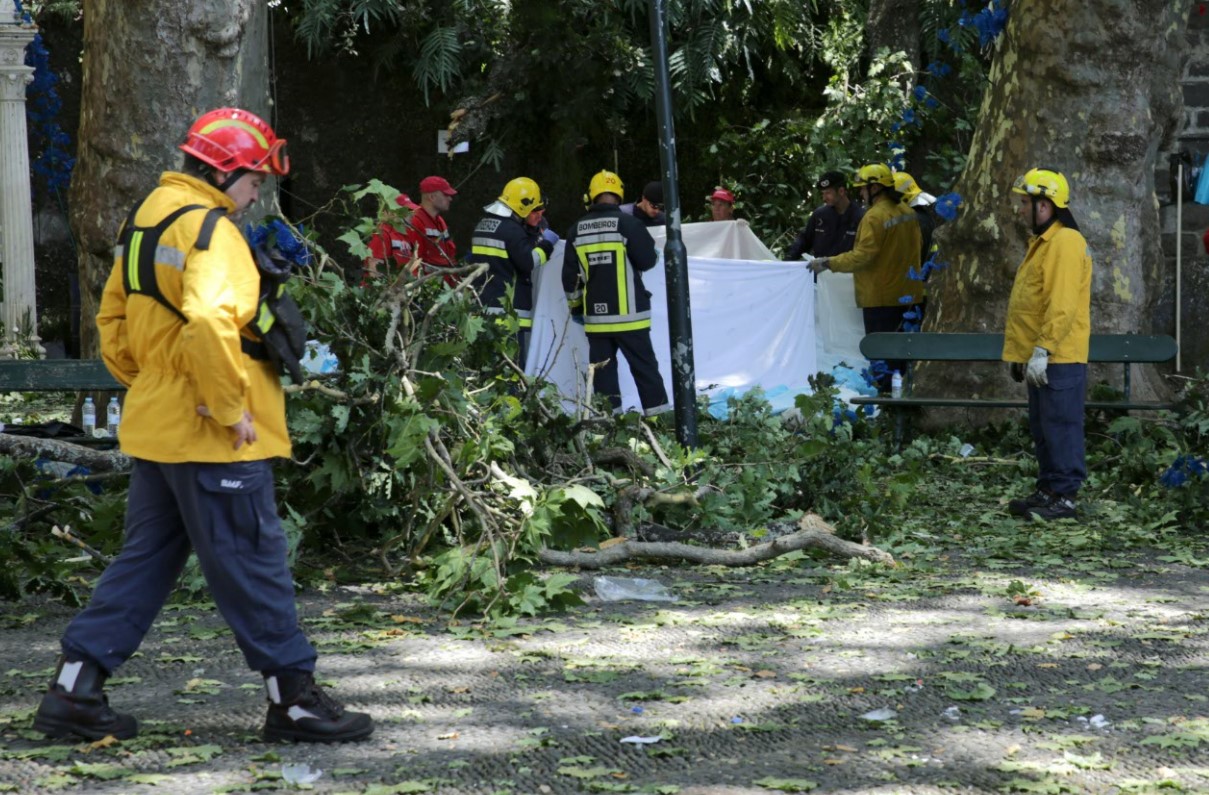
[723, 194]
[435, 184]
[403, 200]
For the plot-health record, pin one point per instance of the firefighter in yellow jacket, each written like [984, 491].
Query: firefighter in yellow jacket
[1046, 339]
[203, 419]
[887, 248]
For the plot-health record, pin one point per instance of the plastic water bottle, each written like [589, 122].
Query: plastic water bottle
[89, 414]
[896, 385]
[113, 416]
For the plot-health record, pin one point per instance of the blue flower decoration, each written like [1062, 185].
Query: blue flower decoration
[909, 115]
[278, 234]
[876, 370]
[1184, 467]
[53, 161]
[939, 68]
[946, 205]
[990, 22]
[919, 92]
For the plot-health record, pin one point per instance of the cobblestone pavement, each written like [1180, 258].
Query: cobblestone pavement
[756, 681]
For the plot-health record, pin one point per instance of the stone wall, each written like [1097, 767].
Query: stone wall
[1192, 145]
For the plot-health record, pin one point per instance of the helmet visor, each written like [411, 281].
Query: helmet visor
[276, 160]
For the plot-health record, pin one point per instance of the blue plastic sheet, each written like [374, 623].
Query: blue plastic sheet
[1202, 187]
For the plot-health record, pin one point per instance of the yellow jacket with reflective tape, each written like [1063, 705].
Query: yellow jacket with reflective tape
[886, 248]
[1050, 306]
[169, 367]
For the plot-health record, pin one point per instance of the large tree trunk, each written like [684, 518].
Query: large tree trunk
[149, 68]
[894, 24]
[1091, 89]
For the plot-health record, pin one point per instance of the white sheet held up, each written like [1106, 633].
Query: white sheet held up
[752, 319]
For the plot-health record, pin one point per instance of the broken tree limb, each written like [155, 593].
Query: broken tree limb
[813, 532]
[30, 447]
[65, 534]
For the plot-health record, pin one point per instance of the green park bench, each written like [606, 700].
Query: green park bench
[1125, 349]
[56, 375]
[60, 375]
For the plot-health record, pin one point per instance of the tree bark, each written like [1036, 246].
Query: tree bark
[894, 24]
[31, 447]
[150, 67]
[1091, 89]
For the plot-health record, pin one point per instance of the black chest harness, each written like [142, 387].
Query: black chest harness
[278, 324]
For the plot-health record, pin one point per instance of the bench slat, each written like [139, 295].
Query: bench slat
[935, 346]
[56, 375]
[998, 403]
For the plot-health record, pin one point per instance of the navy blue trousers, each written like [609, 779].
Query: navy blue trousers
[1055, 420]
[227, 514]
[640, 354]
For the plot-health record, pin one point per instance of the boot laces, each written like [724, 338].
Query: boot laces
[314, 694]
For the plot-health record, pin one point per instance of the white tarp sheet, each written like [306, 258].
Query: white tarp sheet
[752, 318]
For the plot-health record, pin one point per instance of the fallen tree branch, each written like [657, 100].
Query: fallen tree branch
[813, 533]
[31, 447]
[65, 534]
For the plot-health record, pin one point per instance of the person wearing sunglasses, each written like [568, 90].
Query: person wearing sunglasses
[204, 417]
[649, 207]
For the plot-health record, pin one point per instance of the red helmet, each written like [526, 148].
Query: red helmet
[231, 139]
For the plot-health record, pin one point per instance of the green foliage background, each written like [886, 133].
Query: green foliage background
[767, 95]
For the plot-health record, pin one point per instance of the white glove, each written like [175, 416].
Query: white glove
[1034, 372]
[819, 264]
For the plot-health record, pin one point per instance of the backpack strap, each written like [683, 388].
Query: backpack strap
[141, 244]
[207, 228]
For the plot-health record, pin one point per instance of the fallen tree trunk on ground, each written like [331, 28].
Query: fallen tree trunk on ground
[30, 447]
[813, 532]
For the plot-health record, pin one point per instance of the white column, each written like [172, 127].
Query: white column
[16, 213]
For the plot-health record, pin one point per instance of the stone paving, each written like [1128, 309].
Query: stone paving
[763, 680]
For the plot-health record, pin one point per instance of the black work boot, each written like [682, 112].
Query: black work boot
[1060, 506]
[299, 710]
[1037, 499]
[76, 704]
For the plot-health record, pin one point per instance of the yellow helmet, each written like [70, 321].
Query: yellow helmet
[605, 182]
[904, 183]
[1046, 183]
[522, 196]
[874, 173]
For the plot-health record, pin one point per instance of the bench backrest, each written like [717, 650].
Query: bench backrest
[56, 375]
[932, 346]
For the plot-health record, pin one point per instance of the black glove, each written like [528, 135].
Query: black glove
[1017, 371]
[546, 246]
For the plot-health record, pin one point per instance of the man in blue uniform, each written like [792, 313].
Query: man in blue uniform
[831, 229]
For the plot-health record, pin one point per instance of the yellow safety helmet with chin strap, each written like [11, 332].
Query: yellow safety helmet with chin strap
[605, 182]
[874, 174]
[523, 196]
[1044, 183]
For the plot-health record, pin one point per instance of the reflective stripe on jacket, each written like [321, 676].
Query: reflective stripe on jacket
[887, 247]
[1050, 305]
[170, 367]
[511, 254]
[606, 253]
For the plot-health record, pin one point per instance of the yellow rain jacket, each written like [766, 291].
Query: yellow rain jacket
[1050, 306]
[170, 367]
[887, 245]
